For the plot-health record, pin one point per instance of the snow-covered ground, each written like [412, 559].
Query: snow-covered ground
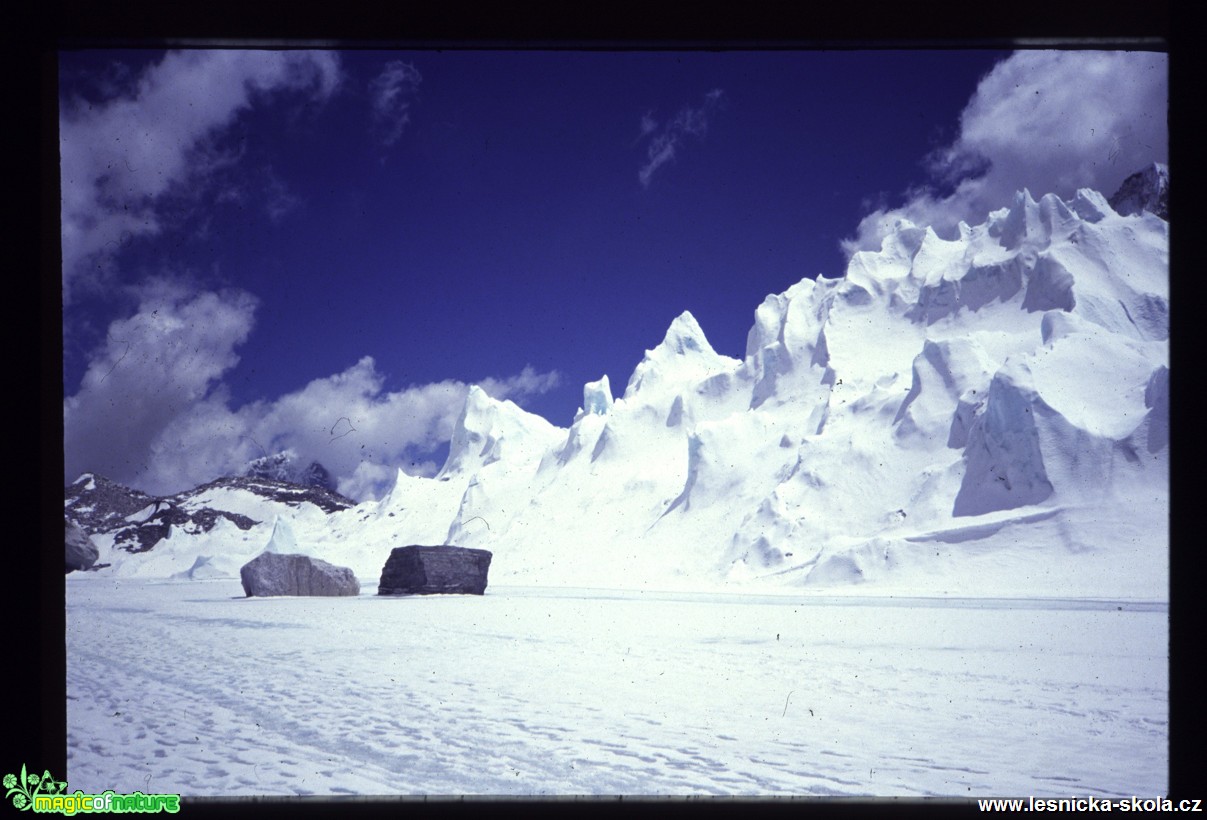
[189, 687]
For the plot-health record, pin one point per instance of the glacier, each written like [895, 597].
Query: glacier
[556, 691]
[985, 414]
[914, 542]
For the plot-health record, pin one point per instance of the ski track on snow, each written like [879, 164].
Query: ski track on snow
[189, 688]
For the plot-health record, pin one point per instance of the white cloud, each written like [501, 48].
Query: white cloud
[368, 480]
[527, 383]
[648, 126]
[152, 411]
[121, 158]
[664, 141]
[392, 92]
[154, 366]
[1047, 121]
[279, 200]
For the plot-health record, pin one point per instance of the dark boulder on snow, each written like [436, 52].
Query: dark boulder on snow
[416, 570]
[81, 553]
[271, 573]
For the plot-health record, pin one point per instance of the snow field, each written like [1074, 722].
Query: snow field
[189, 687]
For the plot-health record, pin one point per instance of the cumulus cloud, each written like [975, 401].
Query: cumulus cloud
[369, 479]
[664, 141]
[1047, 121]
[153, 412]
[160, 363]
[392, 92]
[120, 159]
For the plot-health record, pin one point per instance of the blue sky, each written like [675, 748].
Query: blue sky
[320, 251]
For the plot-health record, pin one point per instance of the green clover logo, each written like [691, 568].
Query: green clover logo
[22, 789]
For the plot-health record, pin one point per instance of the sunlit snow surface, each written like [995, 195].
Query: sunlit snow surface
[189, 687]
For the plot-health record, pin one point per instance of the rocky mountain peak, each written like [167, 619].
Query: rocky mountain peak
[286, 466]
[139, 521]
[1145, 190]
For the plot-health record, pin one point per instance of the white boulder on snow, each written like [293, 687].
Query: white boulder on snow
[271, 574]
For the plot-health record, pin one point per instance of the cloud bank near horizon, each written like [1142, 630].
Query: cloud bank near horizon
[153, 411]
[1047, 121]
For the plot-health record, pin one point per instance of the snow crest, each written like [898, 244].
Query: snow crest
[981, 414]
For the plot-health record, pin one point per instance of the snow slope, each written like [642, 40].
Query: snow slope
[980, 415]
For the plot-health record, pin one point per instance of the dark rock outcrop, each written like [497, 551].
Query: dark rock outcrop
[139, 521]
[417, 570]
[1146, 190]
[81, 553]
[99, 505]
[140, 536]
[284, 466]
[316, 475]
[286, 492]
[272, 573]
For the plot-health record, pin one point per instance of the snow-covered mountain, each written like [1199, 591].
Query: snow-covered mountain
[285, 466]
[126, 522]
[986, 414]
